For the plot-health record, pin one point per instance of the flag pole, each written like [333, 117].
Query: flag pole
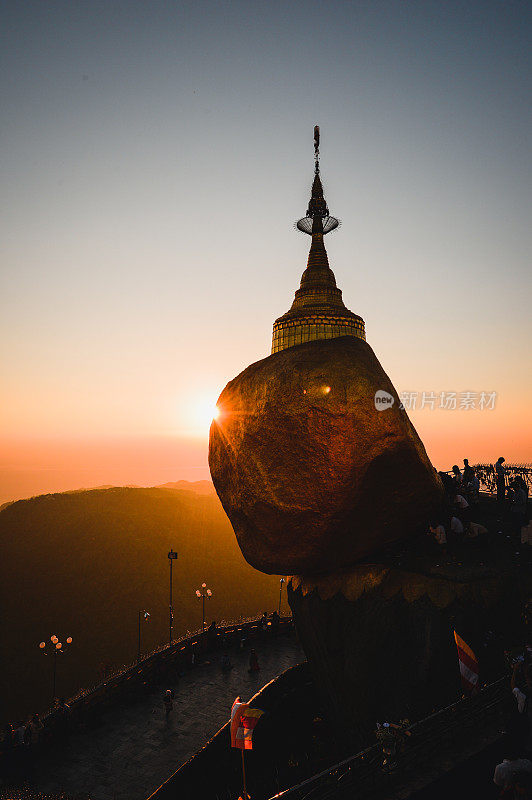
[245, 797]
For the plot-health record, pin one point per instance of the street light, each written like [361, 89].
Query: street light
[142, 615]
[56, 649]
[281, 593]
[203, 594]
[172, 555]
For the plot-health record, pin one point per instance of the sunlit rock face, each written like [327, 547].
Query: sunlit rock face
[312, 476]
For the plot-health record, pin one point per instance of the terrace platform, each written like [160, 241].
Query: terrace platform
[133, 748]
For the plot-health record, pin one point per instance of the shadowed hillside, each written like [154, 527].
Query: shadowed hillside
[83, 564]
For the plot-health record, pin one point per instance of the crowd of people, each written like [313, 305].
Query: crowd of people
[22, 741]
[24, 733]
[455, 525]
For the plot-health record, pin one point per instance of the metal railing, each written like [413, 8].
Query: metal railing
[488, 477]
[442, 730]
[181, 654]
[185, 642]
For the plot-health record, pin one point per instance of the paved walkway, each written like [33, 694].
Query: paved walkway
[135, 749]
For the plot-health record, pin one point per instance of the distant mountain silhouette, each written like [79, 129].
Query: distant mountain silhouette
[200, 487]
[83, 563]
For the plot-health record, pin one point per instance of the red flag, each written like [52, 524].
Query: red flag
[243, 721]
[468, 664]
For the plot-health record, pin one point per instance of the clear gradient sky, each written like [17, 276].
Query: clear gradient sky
[154, 158]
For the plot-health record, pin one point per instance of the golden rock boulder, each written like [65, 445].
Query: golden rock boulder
[315, 467]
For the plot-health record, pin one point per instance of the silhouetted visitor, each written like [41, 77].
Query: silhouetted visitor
[275, 620]
[28, 733]
[455, 533]
[226, 663]
[168, 701]
[461, 507]
[474, 531]
[523, 484]
[456, 527]
[501, 480]
[18, 738]
[517, 507]
[460, 502]
[212, 634]
[392, 739]
[456, 477]
[474, 490]
[61, 716]
[468, 472]
[253, 662]
[264, 621]
[37, 729]
[448, 483]
[61, 707]
[520, 724]
[506, 772]
[437, 533]
[526, 534]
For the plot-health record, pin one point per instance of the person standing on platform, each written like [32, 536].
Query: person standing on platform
[168, 701]
[37, 729]
[475, 490]
[517, 507]
[253, 662]
[509, 770]
[467, 474]
[275, 621]
[501, 481]
[457, 478]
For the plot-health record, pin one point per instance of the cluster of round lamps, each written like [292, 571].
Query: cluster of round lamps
[55, 641]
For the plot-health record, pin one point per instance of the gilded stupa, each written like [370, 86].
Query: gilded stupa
[318, 311]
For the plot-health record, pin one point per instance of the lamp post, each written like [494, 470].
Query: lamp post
[143, 614]
[281, 593]
[57, 648]
[172, 555]
[203, 594]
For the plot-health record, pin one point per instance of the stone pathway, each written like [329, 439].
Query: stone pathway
[135, 749]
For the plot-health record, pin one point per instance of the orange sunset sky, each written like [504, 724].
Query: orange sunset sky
[155, 159]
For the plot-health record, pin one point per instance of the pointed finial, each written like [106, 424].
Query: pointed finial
[317, 219]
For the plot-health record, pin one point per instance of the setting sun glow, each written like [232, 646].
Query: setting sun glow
[201, 411]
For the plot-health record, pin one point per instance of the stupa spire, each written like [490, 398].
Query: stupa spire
[318, 311]
[317, 207]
